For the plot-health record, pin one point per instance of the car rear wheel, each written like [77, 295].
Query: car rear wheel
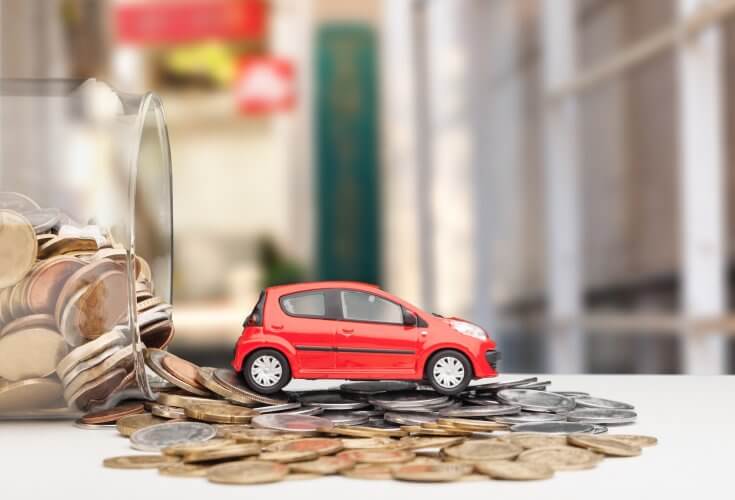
[266, 371]
[449, 372]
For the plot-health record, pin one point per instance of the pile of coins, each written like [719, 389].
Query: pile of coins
[209, 424]
[64, 341]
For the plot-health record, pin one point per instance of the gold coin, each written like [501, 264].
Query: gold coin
[182, 400]
[366, 432]
[434, 473]
[323, 465]
[67, 245]
[483, 450]
[224, 430]
[322, 446]
[184, 470]
[286, 457]
[165, 411]
[30, 353]
[633, 439]
[604, 445]
[446, 432]
[205, 376]
[369, 471]
[221, 413]
[561, 457]
[261, 435]
[128, 425]
[471, 424]
[223, 452]
[18, 247]
[29, 394]
[417, 443]
[378, 456]
[251, 472]
[140, 461]
[182, 449]
[369, 443]
[529, 440]
[515, 471]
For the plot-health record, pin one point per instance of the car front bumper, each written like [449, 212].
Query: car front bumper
[492, 358]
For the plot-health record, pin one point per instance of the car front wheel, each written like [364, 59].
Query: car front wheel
[266, 371]
[449, 372]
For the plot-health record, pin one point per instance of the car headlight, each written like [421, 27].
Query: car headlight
[469, 329]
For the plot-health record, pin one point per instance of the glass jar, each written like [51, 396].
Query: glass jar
[85, 245]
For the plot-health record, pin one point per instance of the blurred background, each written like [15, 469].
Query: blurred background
[557, 171]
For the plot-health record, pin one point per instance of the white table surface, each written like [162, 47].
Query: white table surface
[693, 417]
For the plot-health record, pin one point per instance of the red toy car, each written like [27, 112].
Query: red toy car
[356, 331]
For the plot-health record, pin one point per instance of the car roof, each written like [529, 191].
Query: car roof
[318, 285]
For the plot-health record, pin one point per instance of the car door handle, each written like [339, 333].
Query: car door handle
[348, 330]
[277, 327]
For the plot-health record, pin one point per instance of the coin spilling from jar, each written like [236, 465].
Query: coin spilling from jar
[65, 341]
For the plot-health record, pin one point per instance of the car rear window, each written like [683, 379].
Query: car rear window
[311, 304]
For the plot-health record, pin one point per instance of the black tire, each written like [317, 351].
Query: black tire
[444, 388]
[253, 384]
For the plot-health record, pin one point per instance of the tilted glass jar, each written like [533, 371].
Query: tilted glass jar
[85, 245]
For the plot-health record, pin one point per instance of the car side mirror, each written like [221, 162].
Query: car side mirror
[409, 318]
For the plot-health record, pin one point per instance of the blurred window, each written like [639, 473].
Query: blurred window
[360, 306]
[305, 304]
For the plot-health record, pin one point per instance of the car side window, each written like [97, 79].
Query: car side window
[361, 306]
[310, 304]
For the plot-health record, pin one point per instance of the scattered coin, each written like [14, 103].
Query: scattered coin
[222, 413]
[529, 399]
[129, 424]
[183, 449]
[526, 417]
[497, 386]
[529, 440]
[226, 452]
[232, 381]
[442, 472]
[343, 417]
[480, 411]
[600, 416]
[473, 425]
[409, 418]
[181, 400]
[377, 456]
[154, 359]
[368, 388]
[369, 471]
[140, 461]
[418, 442]
[164, 411]
[483, 450]
[368, 443]
[322, 446]
[604, 445]
[156, 437]
[405, 400]
[515, 471]
[289, 456]
[292, 423]
[634, 440]
[112, 415]
[607, 404]
[561, 457]
[332, 401]
[554, 427]
[247, 472]
[93, 427]
[184, 470]
[323, 465]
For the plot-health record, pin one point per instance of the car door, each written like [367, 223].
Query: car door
[371, 337]
[304, 321]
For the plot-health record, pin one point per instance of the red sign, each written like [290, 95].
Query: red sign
[180, 21]
[265, 85]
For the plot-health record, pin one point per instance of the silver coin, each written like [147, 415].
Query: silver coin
[528, 417]
[345, 418]
[43, 220]
[159, 436]
[554, 427]
[291, 423]
[374, 412]
[164, 411]
[95, 427]
[572, 394]
[529, 399]
[538, 386]
[497, 386]
[332, 401]
[480, 411]
[599, 429]
[304, 410]
[481, 400]
[375, 387]
[602, 416]
[409, 418]
[17, 202]
[381, 423]
[279, 408]
[407, 399]
[607, 404]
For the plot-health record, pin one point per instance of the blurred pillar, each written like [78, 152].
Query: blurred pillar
[405, 151]
[701, 142]
[565, 346]
[454, 154]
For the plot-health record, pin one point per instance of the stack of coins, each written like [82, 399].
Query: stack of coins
[64, 341]
[211, 426]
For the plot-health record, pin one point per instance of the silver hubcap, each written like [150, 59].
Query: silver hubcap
[448, 372]
[266, 371]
